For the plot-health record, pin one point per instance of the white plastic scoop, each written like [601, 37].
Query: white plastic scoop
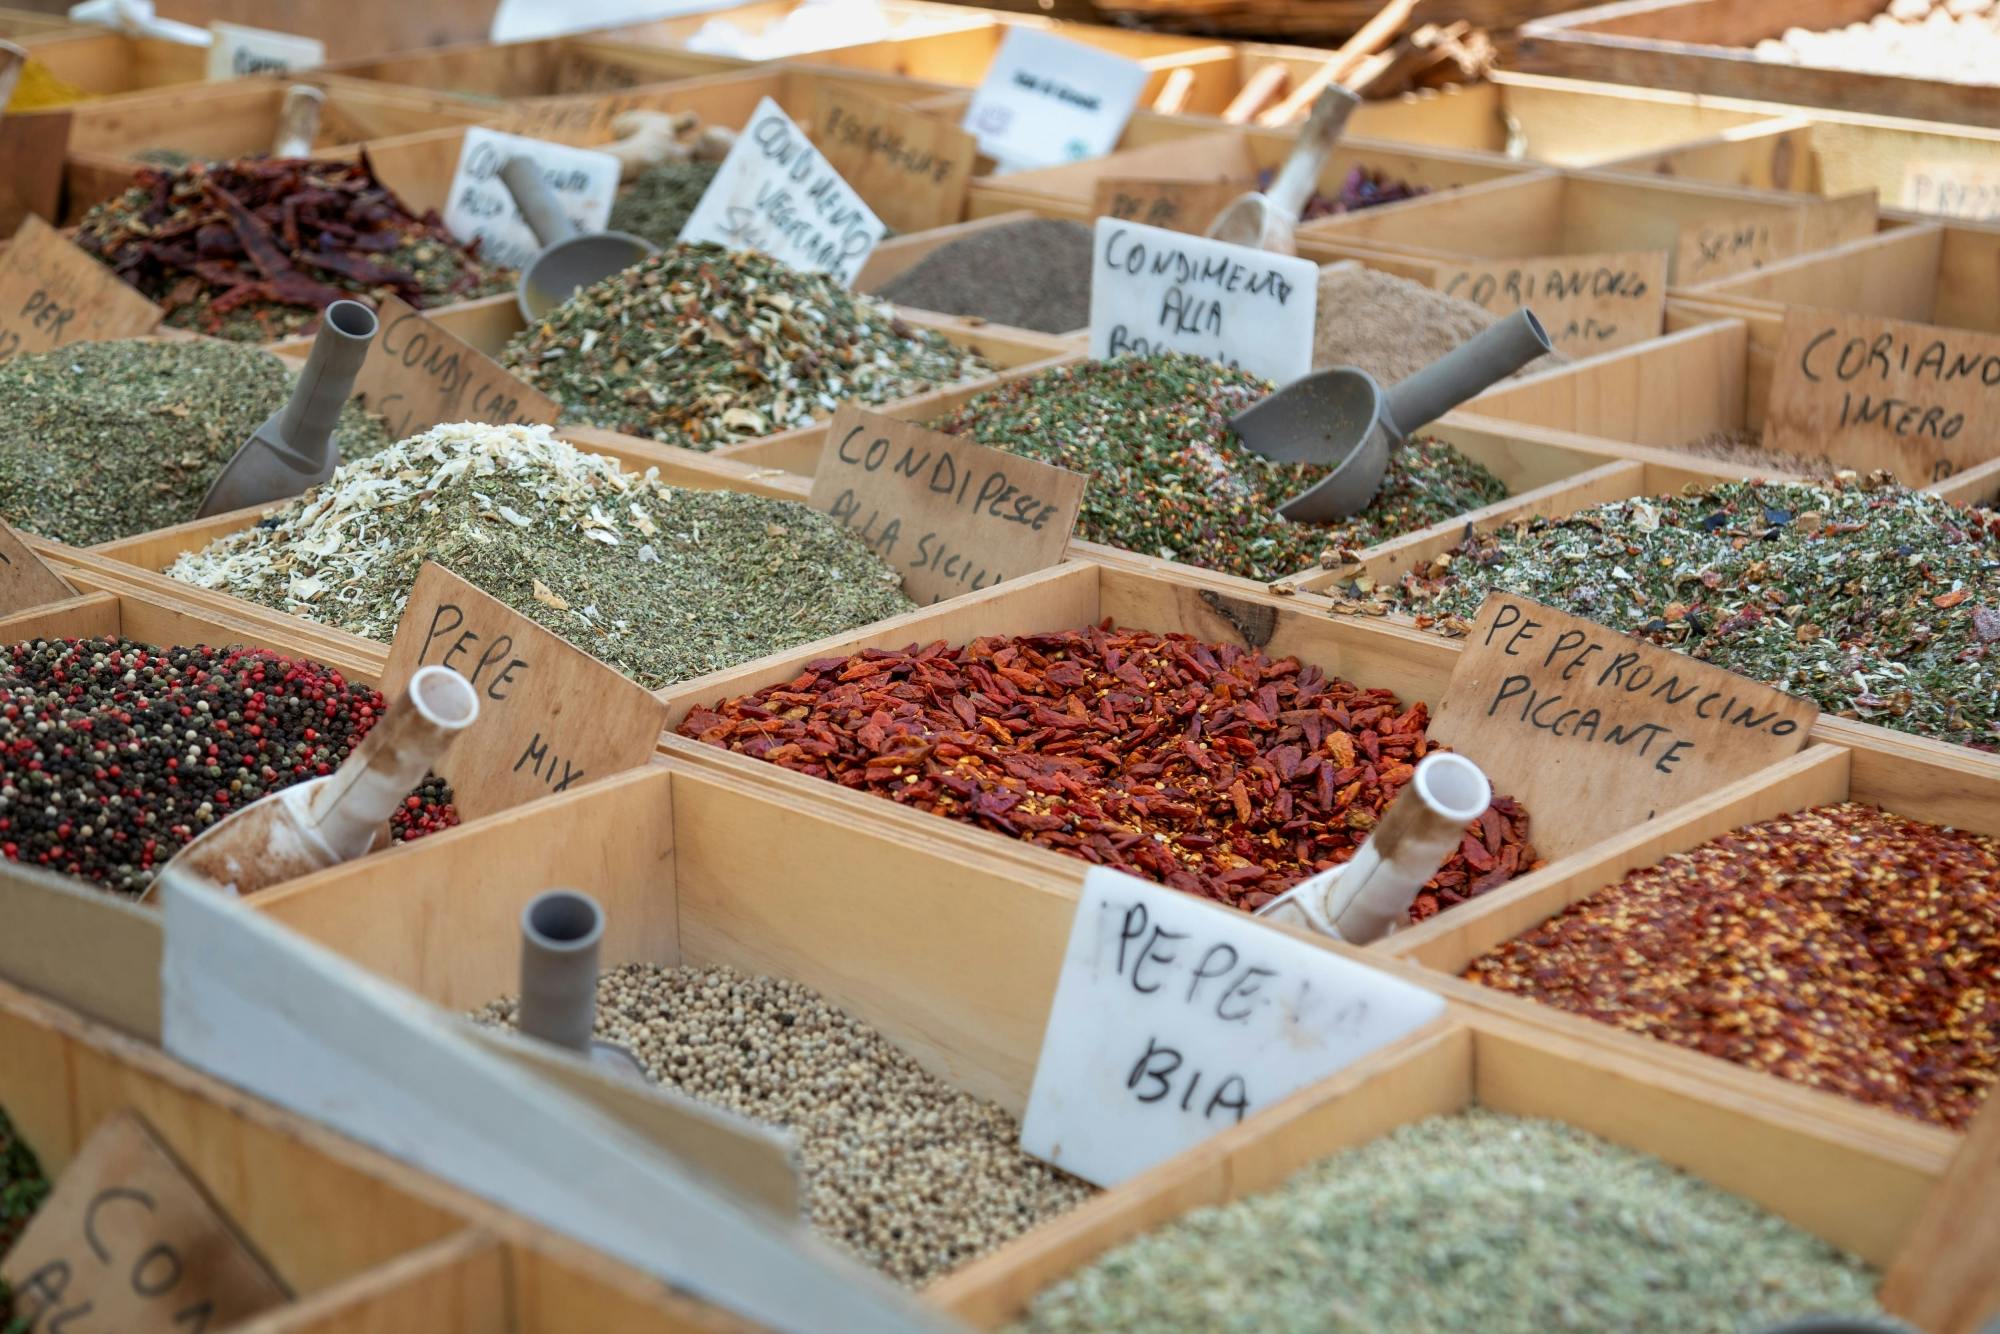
[570, 260]
[298, 121]
[1267, 220]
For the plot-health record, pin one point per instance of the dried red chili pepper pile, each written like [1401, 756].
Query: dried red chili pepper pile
[254, 249]
[1843, 948]
[1210, 768]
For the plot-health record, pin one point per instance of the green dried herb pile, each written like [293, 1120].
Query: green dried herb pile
[701, 346]
[658, 202]
[1479, 1221]
[22, 1190]
[661, 582]
[1169, 479]
[1875, 602]
[100, 441]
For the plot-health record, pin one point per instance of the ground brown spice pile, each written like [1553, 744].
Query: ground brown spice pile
[1843, 948]
[1392, 327]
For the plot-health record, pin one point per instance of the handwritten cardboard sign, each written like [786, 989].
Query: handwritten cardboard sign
[480, 207]
[952, 514]
[776, 193]
[418, 374]
[1868, 392]
[1047, 99]
[1969, 189]
[1568, 716]
[129, 1242]
[1178, 206]
[550, 716]
[1175, 1018]
[52, 293]
[912, 169]
[1722, 247]
[1588, 303]
[1152, 290]
[25, 580]
[235, 51]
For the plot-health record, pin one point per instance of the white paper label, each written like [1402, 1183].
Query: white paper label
[1154, 290]
[1046, 99]
[1175, 1018]
[1968, 190]
[236, 51]
[776, 193]
[480, 207]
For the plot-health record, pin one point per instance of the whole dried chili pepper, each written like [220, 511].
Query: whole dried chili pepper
[1210, 768]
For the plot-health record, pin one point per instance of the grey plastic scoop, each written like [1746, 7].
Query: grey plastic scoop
[295, 448]
[1342, 419]
[570, 260]
[1267, 219]
[560, 932]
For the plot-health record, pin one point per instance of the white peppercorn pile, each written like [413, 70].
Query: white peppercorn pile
[912, 1175]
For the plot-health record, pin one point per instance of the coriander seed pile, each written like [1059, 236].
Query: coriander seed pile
[910, 1174]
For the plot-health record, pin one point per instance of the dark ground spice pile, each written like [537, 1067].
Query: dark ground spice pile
[659, 202]
[1879, 604]
[1169, 479]
[254, 249]
[1032, 274]
[1843, 948]
[100, 441]
[1209, 768]
[114, 755]
[700, 346]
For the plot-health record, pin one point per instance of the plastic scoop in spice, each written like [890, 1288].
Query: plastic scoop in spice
[1343, 420]
[570, 260]
[1266, 220]
[560, 933]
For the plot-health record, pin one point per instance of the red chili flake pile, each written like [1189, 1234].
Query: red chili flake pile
[1842, 947]
[1206, 767]
[115, 755]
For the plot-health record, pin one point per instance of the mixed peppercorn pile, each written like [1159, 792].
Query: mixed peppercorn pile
[1209, 768]
[114, 755]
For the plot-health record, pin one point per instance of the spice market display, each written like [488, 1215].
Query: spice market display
[1330, 1011]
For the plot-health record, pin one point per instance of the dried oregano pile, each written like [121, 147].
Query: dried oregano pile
[1476, 1222]
[1877, 603]
[1168, 478]
[911, 1174]
[702, 346]
[658, 202]
[100, 441]
[662, 582]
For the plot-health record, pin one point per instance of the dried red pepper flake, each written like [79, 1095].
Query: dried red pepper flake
[1843, 947]
[1207, 767]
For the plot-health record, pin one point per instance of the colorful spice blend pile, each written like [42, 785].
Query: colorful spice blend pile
[254, 249]
[912, 1175]
[1168, 478]
[1877, 603]
[657, 204]
[1209, 768]
[100, 441]
[1361, 188]
[1843, 948]
[114, 755]
[661, 582]
[1032, 274]
[1478, 1221]
[701, 346]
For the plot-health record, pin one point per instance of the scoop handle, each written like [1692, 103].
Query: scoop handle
[537, 202]
[1466, 371]
[298, 121]
[346, 330]
[1294, 186]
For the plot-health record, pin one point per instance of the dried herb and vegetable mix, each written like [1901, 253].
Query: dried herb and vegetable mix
[661, 582]
[1209, 768]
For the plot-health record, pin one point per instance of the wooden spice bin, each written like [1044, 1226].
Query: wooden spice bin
[496, 73]
[104, 63]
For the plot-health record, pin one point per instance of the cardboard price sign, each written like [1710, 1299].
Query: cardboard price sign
[1968, 190]
[52, 293]
[418, 375]
[1588, 303]
[1723, 247]
[25, 580]
[129, 1242]
[550, 715]
[1556, 706]
[953, 515]
[1869, 393]
[912, 169]
[1175, 1018]
[1178, 206]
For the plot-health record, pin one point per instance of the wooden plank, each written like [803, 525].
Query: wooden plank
[54, 922]
[1892, 273]
[458, 1283]
[1777, 155]
[1943, 1278]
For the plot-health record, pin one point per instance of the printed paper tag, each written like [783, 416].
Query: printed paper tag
[52, 293]
[912, 169]
[776, 193]
[952, 514]
[1178, 206]
[1175, 1018]
[1152, 290]
[1966, 190]
[1868, 392]
[237, 51]
[1587, 303]
[1047, 99]
[25, 580]
[418, 374]
[551, 717]
[129, 1242]
[480, 207]
[1567, 716]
